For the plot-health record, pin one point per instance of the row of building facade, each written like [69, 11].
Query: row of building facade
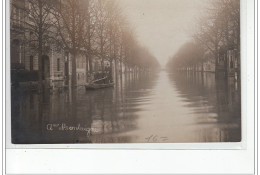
[227, 63]
[56, 63]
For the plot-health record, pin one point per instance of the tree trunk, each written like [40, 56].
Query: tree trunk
[116, 70]
[121, 67]
[40, 68]
[216, 65]
[102, 65]
[90, 65]
[87, 70]
[74, 72]
[126, 67]
[111, 68]
[40, 42]
[202, 67]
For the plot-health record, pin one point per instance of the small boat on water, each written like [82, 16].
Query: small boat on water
[98, 86]
[93, 85]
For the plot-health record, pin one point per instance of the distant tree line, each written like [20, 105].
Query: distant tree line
[218, 31]
[95, 28]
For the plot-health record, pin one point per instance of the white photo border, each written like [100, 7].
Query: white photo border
[238, 159]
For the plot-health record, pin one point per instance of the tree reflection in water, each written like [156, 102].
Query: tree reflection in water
[217, 102]
[183, 107]
[105, 112]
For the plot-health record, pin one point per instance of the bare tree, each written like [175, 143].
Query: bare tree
[89, 35]
[210, 35]
[122, 32]
[128, 43]
[101, 33]
[70, 20]
[218, 31]
[38, 29]
[114, 19]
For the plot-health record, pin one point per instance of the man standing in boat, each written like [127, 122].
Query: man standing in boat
[109, 77]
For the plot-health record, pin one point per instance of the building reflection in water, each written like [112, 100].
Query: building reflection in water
[183, 107]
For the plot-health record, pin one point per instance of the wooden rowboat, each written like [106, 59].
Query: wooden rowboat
[98, 86]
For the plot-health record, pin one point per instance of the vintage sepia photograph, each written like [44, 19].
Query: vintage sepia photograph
[125, 71]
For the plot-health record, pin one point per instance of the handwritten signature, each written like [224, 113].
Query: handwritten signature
[65, 127]
[155, 138]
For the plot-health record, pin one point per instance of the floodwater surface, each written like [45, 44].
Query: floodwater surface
[141, 108]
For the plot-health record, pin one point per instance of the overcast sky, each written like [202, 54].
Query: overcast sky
[162, 25]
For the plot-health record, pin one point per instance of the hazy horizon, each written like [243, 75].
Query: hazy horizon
[162, 26]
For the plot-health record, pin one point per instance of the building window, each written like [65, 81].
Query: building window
[31, 63]
[58, 64]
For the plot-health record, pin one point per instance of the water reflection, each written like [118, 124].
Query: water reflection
[214, 103]
[144, 107]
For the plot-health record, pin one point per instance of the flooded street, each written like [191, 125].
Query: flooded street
[155, 107]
